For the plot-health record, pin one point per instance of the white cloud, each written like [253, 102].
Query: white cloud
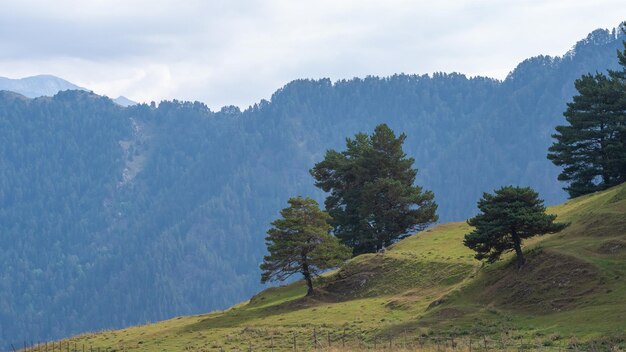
[238, 52]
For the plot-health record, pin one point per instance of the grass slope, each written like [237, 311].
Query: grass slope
[573, 287]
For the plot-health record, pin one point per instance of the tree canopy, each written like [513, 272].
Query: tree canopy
[373, 200]
[506, 218]
[300, 242]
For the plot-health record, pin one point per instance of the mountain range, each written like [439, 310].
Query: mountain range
[47, 85]
[112, 216]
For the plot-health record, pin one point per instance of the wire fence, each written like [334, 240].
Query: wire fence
[251, 340]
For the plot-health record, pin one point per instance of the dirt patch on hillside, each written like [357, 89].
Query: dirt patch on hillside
[549, 282]
[612, 247]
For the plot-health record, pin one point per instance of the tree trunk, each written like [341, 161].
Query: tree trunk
[379, 245]
[605, 172]
[517, 243]
[307, 278]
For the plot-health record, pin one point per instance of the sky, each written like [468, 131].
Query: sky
[237, 52]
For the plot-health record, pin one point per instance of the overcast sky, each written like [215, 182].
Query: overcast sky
[238, 52]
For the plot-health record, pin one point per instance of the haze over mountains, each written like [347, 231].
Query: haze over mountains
[46, 85]
[114, 216]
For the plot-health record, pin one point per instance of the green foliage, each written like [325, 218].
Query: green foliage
[508, 217]
[373, 200]
[300, 242]
[592, 148]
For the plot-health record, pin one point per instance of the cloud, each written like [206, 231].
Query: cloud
[238, 52]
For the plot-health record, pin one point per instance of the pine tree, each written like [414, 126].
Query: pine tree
[619, 79]
[300, 242]
[373, 200]
[592, 148]
[508, 217]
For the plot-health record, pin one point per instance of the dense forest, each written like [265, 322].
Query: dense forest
[113, 216]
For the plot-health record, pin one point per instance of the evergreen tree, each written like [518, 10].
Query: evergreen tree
[592, 148]
[373, 200]
[508, 217]
[300, 242]
[619, 79]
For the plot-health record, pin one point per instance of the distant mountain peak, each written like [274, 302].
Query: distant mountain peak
[123, 101]
[37, 86]
[47, 85]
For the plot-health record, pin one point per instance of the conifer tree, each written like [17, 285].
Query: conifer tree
[619, 79]
[592, 147]
[373, 200]
[508, 217]
[300, 242]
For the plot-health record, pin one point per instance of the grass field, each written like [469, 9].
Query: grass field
[572, 292]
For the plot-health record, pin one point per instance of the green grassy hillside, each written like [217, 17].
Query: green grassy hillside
[572, 291]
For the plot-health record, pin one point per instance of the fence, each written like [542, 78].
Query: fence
[250, 339]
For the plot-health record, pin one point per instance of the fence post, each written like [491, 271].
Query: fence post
[470, 344]
[329, 342]
[404, 339]
[343, 338]
[295, 348]
[272, 343]
[315, 337]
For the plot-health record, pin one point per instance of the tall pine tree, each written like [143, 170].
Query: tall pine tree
[373, 200]
[592, 147]
[619, 79]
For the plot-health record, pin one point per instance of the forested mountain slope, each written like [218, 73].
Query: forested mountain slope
[114, 216]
